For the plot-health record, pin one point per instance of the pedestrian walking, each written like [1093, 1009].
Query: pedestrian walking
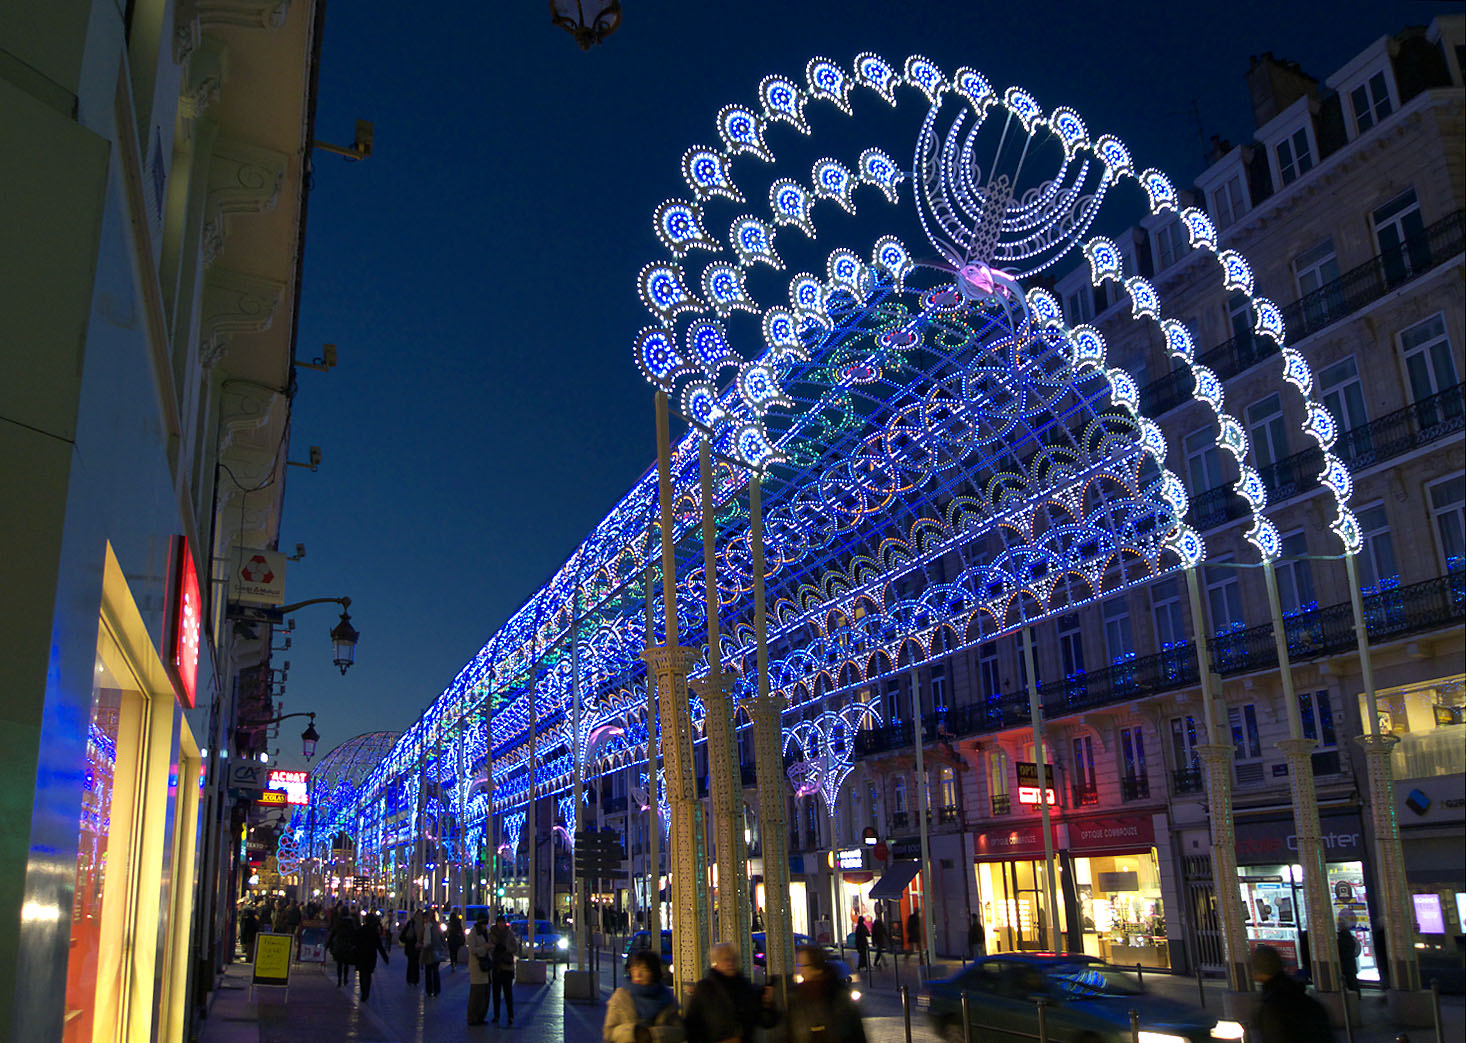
[369, 943]
[863, 943]
[914, 934]
[481, 965]
[1286, 1012]
[408, 939]
[644, 1010]
[455, 938]
[249, 926]
[727, 1007]
[1349, 950]
[878, 938]
[504, 944]
[341, 942]
[277, 918]
[430, 951]
[975, 938]
[821, 1010]
[894, 936]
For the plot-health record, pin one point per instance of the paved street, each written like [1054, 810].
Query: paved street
[316, 1011]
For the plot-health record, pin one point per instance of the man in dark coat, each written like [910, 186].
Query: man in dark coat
[408, 939]
[1286, 1013]
[369, 944]
[863, 943]
[914, 934]
[725, 1005]
[878, 938]
[249, 926]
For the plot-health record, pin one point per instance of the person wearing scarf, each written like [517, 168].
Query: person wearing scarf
[644, 1010]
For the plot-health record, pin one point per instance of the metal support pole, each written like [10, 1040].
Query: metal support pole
[925, 943]
[1217, 757]
[967, 1019]
[837, 916]
[779, 940]
[1404, 972]
[1041, 1003]
[532, 819]
[1036, 722]
[1298, 750]
[687, 857]
[578, 885]
[654, 824]
[725, 785]
[907, 1013]
[1135, 1026]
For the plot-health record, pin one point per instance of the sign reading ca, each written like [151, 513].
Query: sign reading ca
[272, 959]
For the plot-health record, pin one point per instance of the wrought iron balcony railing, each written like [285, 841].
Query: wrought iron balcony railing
[1086, 793]
[1187, 780]
[899, 820]
[1314, 311]
[1135, 788]
[947, 816]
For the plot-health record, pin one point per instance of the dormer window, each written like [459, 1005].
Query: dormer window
[1227, 203]
[1171, 244]
[1370, 102]
[1294, 155]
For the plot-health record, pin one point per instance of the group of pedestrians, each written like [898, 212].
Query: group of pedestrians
[726, 1007]
[354, 944]
[877, 938]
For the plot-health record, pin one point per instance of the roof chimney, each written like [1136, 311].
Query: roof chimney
[1274, 84]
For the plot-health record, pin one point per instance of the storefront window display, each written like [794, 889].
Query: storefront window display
[1274, 910]
[1430, 722]
[1121, 917]
[102, 902]
[1015, 912]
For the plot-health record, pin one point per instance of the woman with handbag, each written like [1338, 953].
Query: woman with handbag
[481, 963]
[643, 1011]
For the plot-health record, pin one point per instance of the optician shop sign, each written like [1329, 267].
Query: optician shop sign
[183, 623]
[1028, 777]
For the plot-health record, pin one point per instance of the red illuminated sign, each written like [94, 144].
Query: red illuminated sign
[293, 786]
[184, 622]
[1028, 787]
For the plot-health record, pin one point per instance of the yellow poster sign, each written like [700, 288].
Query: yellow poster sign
[272, 959]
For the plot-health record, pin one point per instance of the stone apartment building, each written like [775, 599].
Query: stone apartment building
[1348, 202]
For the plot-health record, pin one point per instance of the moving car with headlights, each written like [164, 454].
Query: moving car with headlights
[1086, 1001]
[551, 942]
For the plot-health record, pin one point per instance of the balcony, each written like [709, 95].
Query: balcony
[1311, 313]
[1085, 794]
[947, 816]
[1187, 780]
[1137, 788]
[1000, 803]
[884, 738]
[899, 820]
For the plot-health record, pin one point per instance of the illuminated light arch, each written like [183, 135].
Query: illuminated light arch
[863, 524]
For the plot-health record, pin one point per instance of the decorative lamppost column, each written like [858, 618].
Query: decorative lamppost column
[1297, 751]
[718, 724]
[669, 663]
[654, 825]
[1408, 1004]
[1217, 758]
[779, 939]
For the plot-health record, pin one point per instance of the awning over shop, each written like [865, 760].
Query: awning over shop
[895, 880]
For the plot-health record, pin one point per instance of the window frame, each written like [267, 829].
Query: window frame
[1372, 539]
[1437, 514]
[1425, 349]
[1172, 603]
[1245, 730]
[1300, 162]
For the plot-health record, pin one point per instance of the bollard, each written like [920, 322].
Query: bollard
[1140, 980]
[1201, 994]
[907, 1013]
[1436, 1008]
[613, 971]
[1040, 1003]
[967, 1019]
[1135, 1026]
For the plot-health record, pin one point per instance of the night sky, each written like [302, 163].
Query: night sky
[478, 271]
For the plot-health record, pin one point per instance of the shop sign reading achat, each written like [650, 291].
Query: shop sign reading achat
[258, 577]
[183, 623]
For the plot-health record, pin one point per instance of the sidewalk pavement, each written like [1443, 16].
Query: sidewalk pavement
[315, 1010]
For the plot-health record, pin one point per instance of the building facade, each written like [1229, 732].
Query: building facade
[1349, 206]
[153, 244]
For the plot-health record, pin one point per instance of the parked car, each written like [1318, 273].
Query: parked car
[1086, 1000]
[551, 942]
[757, 938]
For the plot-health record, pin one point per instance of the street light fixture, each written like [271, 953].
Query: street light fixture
[309, 737]
[344, 641]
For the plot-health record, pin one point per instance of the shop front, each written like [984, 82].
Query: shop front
[853, 882]
[1012, 889]
[1271, 884]
[1118, 890]
[1107, 884]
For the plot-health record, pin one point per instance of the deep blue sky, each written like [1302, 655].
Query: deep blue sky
[478, 271]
